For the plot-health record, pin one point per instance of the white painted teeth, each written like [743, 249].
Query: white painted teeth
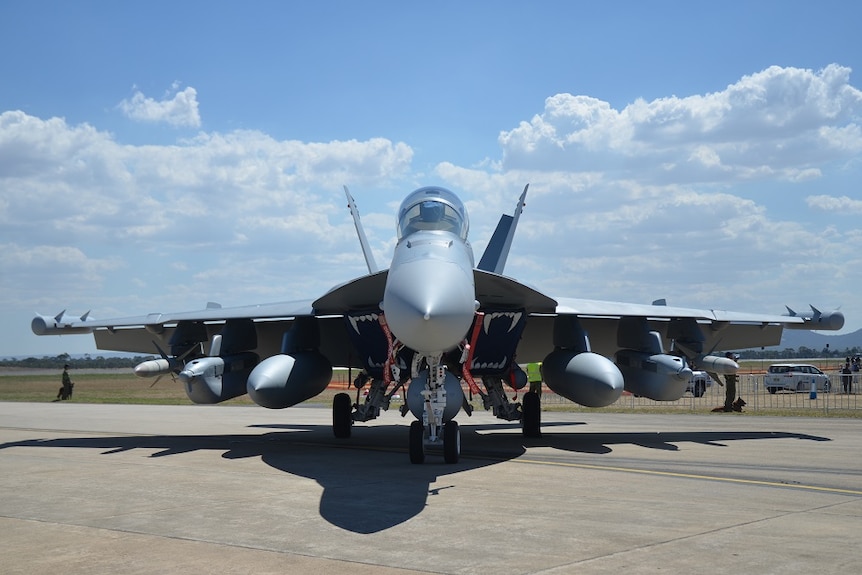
[498, 366]
[514, 318]
[356, 319]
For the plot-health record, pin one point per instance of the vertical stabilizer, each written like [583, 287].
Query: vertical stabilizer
[363, 241]
[494, 258]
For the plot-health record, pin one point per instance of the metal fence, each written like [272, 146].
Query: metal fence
[751, 389]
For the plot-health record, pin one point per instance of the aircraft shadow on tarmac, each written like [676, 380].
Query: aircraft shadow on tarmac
[368, 484]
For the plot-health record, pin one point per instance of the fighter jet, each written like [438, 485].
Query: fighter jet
[433, 325]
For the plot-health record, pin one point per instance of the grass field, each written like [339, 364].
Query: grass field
[122, 387]
[110, 387]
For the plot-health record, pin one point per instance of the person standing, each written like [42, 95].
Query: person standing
[854, 367]
[534, 376]
[66, 390]
[730, 380]
[847, 377]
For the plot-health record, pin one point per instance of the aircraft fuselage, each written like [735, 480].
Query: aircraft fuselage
[430, 297]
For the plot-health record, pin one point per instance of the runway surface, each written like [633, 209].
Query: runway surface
[205, 489]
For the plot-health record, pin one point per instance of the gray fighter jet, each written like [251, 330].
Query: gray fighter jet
[433, 325]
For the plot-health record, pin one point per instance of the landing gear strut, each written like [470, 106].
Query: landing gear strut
[433, 431]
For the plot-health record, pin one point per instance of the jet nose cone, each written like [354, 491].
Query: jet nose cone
[429, 305]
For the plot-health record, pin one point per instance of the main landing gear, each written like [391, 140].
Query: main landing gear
[531, 416]
[431, 433]
[377, 399]
[529, 413]
[342, 417]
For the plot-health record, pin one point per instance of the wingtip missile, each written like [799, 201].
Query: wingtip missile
[60, 324]
[817, 319]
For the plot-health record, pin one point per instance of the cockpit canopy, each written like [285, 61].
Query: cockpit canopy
[432, 209]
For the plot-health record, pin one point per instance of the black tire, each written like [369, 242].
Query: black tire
[451, 442]
[531, 415]
[342, 422]
[772, 390]
[699, 389]
[417, 442]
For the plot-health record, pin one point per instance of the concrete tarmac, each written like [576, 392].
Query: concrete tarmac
[205, 489]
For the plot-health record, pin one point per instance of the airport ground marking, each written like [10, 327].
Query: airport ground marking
[594, 467]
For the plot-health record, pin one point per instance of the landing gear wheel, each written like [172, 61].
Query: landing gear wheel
[531, 419]
[417, 442]
[341, 416]
[451, 442]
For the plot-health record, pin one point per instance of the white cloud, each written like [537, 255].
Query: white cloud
[654, 200]
[26, 268]
[77, 183]
[179, 111]
[86, 219]
[839, 206]
[775, 123]
[649, 201]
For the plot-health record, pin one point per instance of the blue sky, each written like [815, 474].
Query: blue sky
[158, 155]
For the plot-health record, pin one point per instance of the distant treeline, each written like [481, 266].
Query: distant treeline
[800, 353]
[86, 362]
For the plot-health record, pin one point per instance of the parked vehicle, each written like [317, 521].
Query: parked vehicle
[796, 377]
[698, 383]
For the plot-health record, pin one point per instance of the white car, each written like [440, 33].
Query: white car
[795, 377]
[698, 383]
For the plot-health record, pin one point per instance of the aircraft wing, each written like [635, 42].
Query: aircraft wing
[492, 291]
[362, 293]
[612, 325]
[44, 325]
[153, 332]
[612, 309]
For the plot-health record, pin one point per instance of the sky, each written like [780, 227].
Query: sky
[156, 156]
